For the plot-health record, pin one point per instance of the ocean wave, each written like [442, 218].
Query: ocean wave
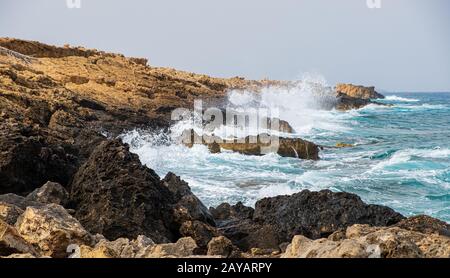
[400, 99]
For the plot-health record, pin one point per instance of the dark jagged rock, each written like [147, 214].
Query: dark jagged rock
[319, 214]
[187, 206]
[312, 214]
[115, 195]
[201, 232]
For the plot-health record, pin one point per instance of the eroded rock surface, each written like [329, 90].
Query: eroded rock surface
[363, 241]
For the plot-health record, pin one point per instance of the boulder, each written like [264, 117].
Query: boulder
[18, 201]
[50, 193]
[52, 229]
[221, 246]
[9, 213]
[11, 242]
[319, 214]
[116, 196]
[120, 248]
[183, 248]
[363, 241]
[360, 92]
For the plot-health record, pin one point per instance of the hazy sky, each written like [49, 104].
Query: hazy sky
[403, 46]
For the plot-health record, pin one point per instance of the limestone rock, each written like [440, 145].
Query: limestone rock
[50, 193]
[360, 92]
[52, 229]
[258, 145]
[183, 248]
[220, 246]
[11, 241]
[9, 213]
[363, 241]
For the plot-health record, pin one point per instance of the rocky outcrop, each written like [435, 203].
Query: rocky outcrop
[115, 195]
[363, 241]
[312, 214]
[425, 224]
[256, 145]
[358, 92]
[319, 214]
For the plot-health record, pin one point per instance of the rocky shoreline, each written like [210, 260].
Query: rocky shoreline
[69, 188]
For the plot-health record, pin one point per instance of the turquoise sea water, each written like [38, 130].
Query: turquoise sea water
[400, 158]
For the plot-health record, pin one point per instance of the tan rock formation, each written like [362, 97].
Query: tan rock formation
[360, 92]
[363, 241]
[52, 229]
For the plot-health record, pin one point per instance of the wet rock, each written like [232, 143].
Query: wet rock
[187, 206]
[319, 214]
[360, 92]
[258, 145]
[52, 229]
[50, 193]
[363, 241]
[227, 212]
[115, 195]
[11, 241]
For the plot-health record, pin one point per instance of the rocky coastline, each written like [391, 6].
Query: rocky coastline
[69, 187]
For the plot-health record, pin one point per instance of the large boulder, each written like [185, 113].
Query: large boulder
[319, 214]
[236, 223]
[52, 229]
[115, 195]
[275, 221]
[363, 241]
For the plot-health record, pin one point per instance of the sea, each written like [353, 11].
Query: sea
[399, 154]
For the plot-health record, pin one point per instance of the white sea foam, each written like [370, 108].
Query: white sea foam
[400, 99]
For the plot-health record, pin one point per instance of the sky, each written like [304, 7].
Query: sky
[402, 46]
